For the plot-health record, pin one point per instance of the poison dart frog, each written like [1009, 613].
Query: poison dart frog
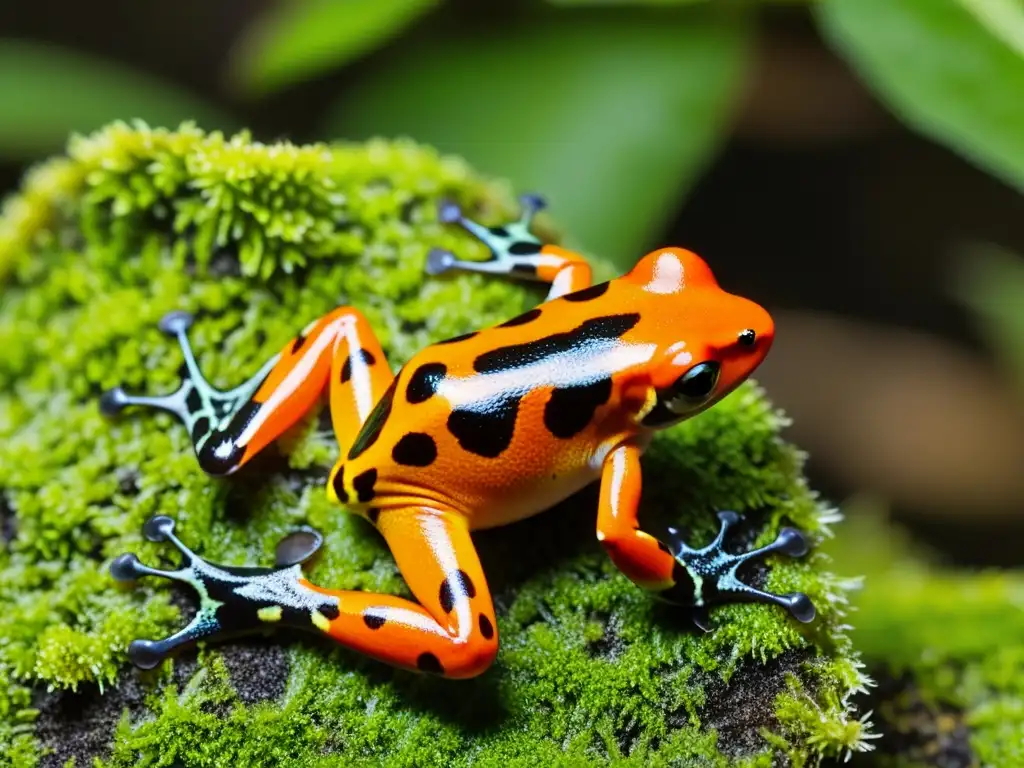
[475, 432]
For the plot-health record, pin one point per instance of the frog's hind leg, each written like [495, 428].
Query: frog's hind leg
[451, 631]
[229, 427]
[515, 251]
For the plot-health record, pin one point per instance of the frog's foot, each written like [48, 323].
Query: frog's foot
[513, 247]
[197, 403]
[706, 576]
[233, 600]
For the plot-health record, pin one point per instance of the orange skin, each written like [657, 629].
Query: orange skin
[495, 462]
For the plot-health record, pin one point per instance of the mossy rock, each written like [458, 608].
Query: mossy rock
[257, 241]
[946, 646]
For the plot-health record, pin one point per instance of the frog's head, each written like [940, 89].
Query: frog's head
[709, 341]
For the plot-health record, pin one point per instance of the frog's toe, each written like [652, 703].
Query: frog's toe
[532, 203]
[449, 212]
[113, 401]
[439, 260]
[127, 567]
[176, 322]
[145, 654]
[298, 547]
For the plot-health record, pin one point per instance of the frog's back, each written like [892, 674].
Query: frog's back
[504, 422]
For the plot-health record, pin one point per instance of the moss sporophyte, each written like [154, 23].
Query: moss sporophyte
[234, 247]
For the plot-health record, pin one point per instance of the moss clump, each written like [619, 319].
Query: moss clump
[947, 646]
[257, 241]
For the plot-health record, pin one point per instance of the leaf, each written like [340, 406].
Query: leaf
[610, 115]
[304, 38]
[990, 282]
[951, 69]
[47, 93]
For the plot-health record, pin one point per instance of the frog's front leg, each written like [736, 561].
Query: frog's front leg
[229, 427]
[515, 251]
[680, 574]
[450, 632]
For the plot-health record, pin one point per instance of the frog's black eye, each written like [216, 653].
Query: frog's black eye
[699, 382]
[747, 337]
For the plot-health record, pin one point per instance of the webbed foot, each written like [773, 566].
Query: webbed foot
[201, 407]
[233, 600]
[513, 246]
[708, 575]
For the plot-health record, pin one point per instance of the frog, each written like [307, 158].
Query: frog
[474, 432]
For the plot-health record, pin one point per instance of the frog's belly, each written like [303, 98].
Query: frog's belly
[494, 499]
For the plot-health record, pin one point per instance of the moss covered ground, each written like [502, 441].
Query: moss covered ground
[257, 240]
[946, 646]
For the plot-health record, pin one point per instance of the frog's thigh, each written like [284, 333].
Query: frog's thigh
[439, 562]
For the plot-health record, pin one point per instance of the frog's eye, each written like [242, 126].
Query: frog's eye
[698, 382]
[747, 337]
[694, 387]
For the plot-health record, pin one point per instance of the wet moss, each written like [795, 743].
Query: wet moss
[258, 240]
[946, 645]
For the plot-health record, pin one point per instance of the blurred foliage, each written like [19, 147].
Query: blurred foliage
[990, 282]
[296, 40]
[952, 69]
[612, 109]
[615, 108]
[946, 645]
[47, 91]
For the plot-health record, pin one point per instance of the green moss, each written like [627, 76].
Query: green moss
[258, 241]
[948, 644]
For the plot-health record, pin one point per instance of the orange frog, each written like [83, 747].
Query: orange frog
[475, 432]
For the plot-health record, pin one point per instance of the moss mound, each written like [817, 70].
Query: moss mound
[258, 240]
[947, 646]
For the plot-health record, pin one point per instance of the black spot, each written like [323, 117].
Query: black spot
[428, 662]
[346, 368]
[487, 432]
[374, 422]
[457, 585]
[486, 628]
[221, 453]
[373, 620]
[363, 484]
[415, 449]
[682, 591]
[664, 548]
[200, 428]
[570, 409]
[524, 248]
[586, 294]
[523, 319]
[329, 611]
[747, 337]
[424, 382]
[373, 515]
[524, 268]
[297, 344]
[339, 486]
[193, 401]
[575, 341]
[499, 231]
[463, 337]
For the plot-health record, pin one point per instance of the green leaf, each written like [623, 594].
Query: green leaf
[990, 282]
[610, 115]
[304, 38]
[951, 69]
[47, 93]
